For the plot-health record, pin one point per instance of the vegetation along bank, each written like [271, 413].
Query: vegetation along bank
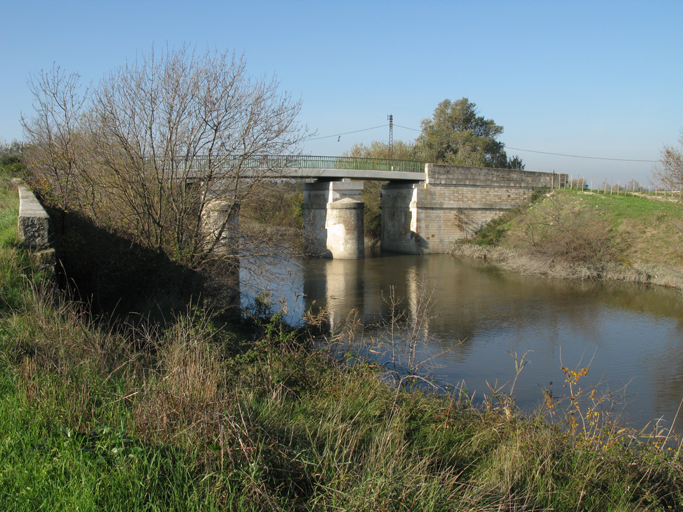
[588, 235]
[197, 413]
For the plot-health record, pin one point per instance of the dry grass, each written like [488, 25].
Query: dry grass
[98, 415]
[576, 235]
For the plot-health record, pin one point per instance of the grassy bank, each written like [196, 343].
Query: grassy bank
[576, 234]
[196, 415]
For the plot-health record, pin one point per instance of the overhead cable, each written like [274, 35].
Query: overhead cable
[506, 147]
[347, 133]
[579, 156]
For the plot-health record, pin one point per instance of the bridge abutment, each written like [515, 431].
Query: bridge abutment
[452, 204]
[333, 219]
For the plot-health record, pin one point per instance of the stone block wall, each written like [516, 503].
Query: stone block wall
[33, 226]
[453, 203]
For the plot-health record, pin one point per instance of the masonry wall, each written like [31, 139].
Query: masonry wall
[452, 204]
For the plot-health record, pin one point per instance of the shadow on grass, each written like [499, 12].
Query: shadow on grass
[121, 279]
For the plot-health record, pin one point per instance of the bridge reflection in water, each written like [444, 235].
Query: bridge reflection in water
[628, 334]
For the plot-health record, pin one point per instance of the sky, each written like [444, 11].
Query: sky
[595, 79]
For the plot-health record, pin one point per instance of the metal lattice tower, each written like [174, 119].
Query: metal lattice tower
[390, 117]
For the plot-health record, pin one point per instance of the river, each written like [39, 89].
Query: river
[630, 336]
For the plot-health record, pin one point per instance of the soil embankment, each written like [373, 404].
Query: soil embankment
[582, 235]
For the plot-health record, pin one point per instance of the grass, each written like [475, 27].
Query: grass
[645, 230]
[197, 415]
[577, 234]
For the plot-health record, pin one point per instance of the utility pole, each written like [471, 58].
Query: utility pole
[390, 117]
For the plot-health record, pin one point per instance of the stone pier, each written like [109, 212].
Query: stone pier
[333, 219]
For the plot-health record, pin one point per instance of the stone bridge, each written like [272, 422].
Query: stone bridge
[426, 208]
[422, 213]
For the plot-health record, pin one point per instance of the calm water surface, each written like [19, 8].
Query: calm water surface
[631, 335]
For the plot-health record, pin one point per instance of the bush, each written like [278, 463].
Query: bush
[561, 230]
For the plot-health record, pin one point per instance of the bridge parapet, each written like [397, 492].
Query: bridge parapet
[284, 162]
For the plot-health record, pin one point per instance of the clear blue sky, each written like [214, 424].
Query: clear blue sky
[591, 78]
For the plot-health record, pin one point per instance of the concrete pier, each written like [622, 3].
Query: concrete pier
[214, 217]
[333, 219]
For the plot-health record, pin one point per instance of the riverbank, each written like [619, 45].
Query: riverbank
[584, 235]
[200, 415]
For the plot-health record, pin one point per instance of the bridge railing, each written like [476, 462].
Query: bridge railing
[317, 162]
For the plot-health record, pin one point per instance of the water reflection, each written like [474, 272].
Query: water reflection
[632, 335]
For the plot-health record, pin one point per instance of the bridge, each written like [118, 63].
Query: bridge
[426, 207]
[316, 167]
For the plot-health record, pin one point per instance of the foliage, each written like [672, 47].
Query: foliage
[669, 171]
[98, 416]
[276, 203]
[561, 232]
[163, 149]
[494, 231]
[457, 135]
[371, 195]
[10, 156]
[400, 150]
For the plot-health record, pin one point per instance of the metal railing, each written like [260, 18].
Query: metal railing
[312, 162]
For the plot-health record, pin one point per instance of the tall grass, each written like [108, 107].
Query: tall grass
[96, 415]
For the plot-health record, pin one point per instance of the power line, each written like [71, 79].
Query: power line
[506, 147]
[579, 156]
[347, 133]
[406, 128]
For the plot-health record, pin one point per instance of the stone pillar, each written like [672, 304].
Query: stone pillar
[215, 213]
[222, 291]
[345, 229]
[333, 219]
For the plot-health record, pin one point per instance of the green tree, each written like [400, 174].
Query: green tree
[458, 135]
[372, 191]
[400, 150]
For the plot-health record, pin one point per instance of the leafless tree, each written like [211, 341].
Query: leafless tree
[58, 152]
[166, 147]
[669, 171]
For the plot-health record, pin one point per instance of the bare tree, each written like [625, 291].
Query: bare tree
[58, 153]
[669, 171]
[167, 147]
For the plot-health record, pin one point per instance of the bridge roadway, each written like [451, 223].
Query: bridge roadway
[352, 174]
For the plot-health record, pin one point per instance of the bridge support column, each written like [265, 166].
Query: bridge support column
[333, 219]
[216, 213]
[223, 292]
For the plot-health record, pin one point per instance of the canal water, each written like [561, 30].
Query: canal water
[629, 336]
